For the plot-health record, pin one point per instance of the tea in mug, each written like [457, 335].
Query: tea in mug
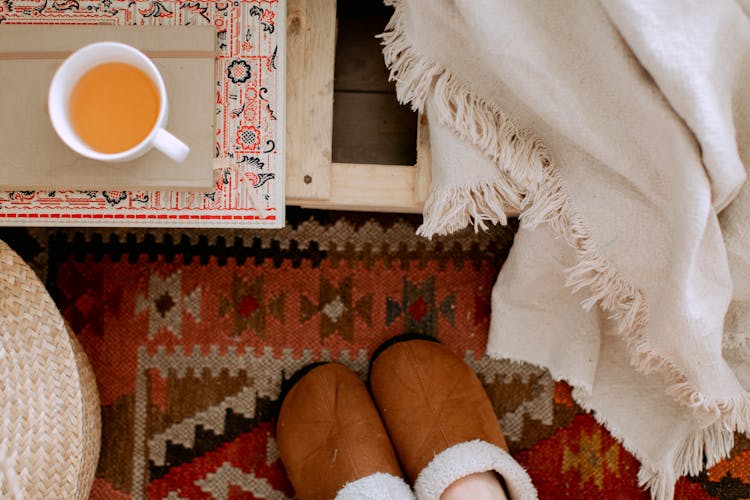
[113, 107]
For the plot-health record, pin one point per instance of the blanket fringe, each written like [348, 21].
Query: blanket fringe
[455, 208]
[713, 443]
[531, 185]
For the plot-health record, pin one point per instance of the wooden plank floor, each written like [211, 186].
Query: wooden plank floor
[369, 125]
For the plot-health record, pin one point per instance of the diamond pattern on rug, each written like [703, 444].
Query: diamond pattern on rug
[249, 307]
[166, 303]
[334, 310]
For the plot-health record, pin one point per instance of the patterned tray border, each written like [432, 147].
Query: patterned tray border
[249, 165]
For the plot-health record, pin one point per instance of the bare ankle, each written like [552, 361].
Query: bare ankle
[479, 486]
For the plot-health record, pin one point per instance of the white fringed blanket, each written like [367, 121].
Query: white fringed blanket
[618, 130]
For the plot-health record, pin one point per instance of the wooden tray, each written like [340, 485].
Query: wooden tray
[32, 157]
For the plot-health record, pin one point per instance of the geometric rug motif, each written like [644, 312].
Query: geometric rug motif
[190, 353]
[191, 332]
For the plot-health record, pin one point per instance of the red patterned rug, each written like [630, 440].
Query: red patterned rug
[190, 333]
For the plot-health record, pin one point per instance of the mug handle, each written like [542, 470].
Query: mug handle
[171, 145]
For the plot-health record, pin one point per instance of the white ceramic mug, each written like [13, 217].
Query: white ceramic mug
[80, 62]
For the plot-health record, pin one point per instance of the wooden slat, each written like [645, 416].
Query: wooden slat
[379, 188]
[311, 40]
[424, 162]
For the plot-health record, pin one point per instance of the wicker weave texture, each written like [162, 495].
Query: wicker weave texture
[50, 426]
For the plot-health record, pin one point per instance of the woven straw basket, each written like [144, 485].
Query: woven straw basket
[50, 427]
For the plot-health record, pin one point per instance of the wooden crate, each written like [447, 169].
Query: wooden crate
[313, 179]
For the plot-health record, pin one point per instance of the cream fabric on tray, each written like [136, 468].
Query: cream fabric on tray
[618, 129]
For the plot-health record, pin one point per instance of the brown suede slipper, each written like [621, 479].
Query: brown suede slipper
[440, 419]
[332, 441]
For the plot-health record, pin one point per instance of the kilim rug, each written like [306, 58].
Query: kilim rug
[190, 333]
